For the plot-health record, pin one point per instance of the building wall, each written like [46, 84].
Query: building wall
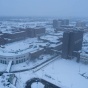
[65, 45]
[36, 54]
[2, 41]
[34, 32]
[78, 40]
[55, 24]
[21, 58]
[16, 36]
[80, 24]
[65, 22]
[60, 22]
[72, 41]
[16, 59]
[39, 31]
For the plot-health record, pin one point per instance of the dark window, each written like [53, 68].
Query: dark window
[17, 62]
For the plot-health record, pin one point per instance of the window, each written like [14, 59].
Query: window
[16, 57]
[1, 61]
[13, 62]
[17, 62]
[5, 62]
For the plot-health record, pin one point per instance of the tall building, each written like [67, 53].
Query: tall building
[60, 22]
[56, 24]
[72, 43]
[64, 22]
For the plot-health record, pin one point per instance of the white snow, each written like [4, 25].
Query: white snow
[30, 64]
[3, 67]
[50, 37]
[65, 73]
[37, 85]
[9, 66]
[20, 47]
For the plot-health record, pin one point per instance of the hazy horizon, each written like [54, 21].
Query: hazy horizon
[44, 8]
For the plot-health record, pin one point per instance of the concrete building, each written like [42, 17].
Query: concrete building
[72, 43]
[20, 57]
[21, 35]
[80, 24]
[60, 22]
[65, 28]
[34, 32]
[16, 36]
[36, 53]
[29, 48]
[55, 24]
[64, 22]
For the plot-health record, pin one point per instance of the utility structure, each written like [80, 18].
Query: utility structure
[72, 44]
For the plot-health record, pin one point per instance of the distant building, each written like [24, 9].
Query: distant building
[72, 43]
[20, 56]
[15, 36]
[34, 32]
[21, 35]
[64, 28]
[64, 22]
[2, 40]
[80, 24]
[56, 24]
[60, 22]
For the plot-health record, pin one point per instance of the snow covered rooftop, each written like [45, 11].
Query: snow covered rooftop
[19, 47]
[50, 38]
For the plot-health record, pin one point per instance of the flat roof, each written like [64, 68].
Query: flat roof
[55, 45]
[50, 38]
[20, 47]
[26, 46]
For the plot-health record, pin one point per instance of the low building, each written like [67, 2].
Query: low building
[34, 32]
[80, 24]
[18, 54]
[13, 36]
[36, 53]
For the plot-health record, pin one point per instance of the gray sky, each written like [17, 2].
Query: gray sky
[63, 8]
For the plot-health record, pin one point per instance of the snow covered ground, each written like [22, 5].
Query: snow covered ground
[38, 85]
[64, 73]
[3, 67]
[30, 64]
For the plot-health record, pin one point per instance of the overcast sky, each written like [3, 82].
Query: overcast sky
[63, 8]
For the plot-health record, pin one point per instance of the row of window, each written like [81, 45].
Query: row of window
[20, 57]
[2, 58]
[5, 58]
[17, 61]
[12, 58]
[3, 61]
[20, 61]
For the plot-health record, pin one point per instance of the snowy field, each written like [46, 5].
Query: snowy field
[64, 73]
